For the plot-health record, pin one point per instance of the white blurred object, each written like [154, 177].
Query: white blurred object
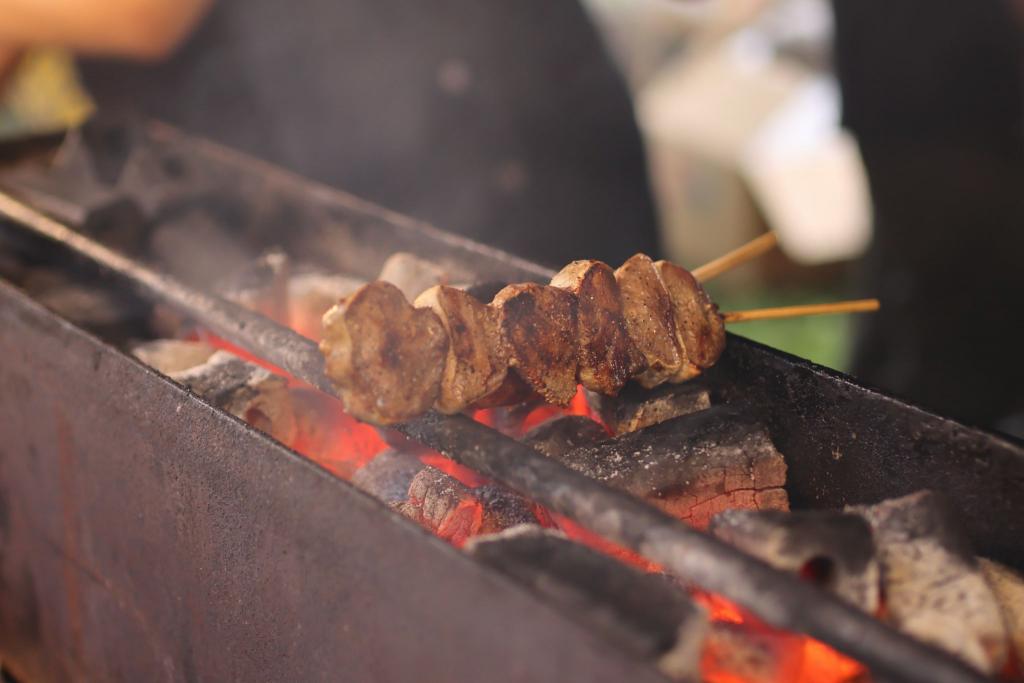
[806, 175]
[739, 136]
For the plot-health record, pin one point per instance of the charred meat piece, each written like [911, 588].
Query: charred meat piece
[608, 358]
[539, 325]
[477, 358]
[650, 320]
[385, 356]
[700, 328]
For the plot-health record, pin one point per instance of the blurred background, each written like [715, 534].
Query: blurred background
[881, 143]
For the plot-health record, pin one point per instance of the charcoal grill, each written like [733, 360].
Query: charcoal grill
[149, 536]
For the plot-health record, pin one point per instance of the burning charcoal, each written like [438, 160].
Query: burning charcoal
[261, 286]
[246, 391]
[331, 437]
[557, 437]
[635, 407]
[388, 476]
[1008, 587]
[411, 274]
[692, 467]
[311, 294]
[442, 505]
[512, 397]
[736, 652]
[173, 355]
[503, 509]
[641, 613]
[933, 587]
[832, 549]
[455, 512]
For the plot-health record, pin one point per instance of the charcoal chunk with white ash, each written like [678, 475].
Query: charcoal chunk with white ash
[830, 548]
[693, 466]
[636, 408]
[557, 437]
[245, 390]
[448, 508]
[737, 652]
[173, 355]
[387, 477]
[644, 614]
[934, 588]
[1008, 587]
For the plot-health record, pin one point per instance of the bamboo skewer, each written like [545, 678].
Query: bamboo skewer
[736, 257]
[856, 306]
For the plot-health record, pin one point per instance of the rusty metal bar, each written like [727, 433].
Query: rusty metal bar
[776, 597]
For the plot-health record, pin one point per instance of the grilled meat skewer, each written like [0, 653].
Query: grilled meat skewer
[647, 321]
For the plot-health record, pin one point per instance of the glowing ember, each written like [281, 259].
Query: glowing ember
[733, 652]
[589, 538]
[218, 343]
[517, 425]
[329, 437]
[453, 469]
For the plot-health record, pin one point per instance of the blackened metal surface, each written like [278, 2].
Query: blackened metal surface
[145, 536]
[846, 444]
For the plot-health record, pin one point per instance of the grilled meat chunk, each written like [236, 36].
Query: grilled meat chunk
[539, 325]
[608, 358]
[650, 320]
[385, 356]
[700, 329]
[477, 360]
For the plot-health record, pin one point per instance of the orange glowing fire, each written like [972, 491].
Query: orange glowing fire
[341, 444]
